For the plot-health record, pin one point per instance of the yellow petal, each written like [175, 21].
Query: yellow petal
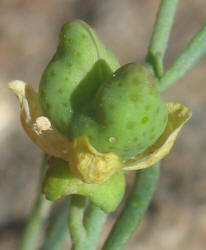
[91, 166]
[37, 126]
[178, 114]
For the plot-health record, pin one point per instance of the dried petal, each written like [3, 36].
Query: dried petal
[178, 114]
[90, 165]
[36, 125]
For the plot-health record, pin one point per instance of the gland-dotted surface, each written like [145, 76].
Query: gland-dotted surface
[120, 112]
[79, 65]
[127, 107]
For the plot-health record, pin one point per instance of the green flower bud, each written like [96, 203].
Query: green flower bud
[128, 113]
[70, 81]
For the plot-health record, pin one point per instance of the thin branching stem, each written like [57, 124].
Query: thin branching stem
[94, 222]
[75, 222]
[160, 35]
[186, 60]
[57, 233]
[37, 218]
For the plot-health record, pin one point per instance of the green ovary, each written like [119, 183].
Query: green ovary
[121, 113]
[127, 115]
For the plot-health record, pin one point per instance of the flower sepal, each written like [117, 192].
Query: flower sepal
[59, 181]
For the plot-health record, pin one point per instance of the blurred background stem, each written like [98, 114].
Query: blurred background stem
[37, 218]
[186, 60]
[57, 234]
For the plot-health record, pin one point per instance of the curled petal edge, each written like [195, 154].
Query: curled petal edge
[91, 166]
[178, 115]
[36, 125]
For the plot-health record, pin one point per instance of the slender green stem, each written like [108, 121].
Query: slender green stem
[160, 35]
[84, 237]
[94, 222]
[146, 181]
[190, 55]
[36, 220]
[75, 222]
[57, 233]
[35, 224]
[135, 207]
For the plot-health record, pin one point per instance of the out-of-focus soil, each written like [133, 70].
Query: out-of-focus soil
[176, 219]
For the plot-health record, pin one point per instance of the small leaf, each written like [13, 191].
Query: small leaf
[60, 181]
[178, 115]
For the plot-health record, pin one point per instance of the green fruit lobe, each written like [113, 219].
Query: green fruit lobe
[120, 112]
[59, 182]
[72, 77]
[128, 113]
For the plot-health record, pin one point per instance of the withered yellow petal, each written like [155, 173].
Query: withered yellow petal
[91, 166]
[178, 114]
[37, 126]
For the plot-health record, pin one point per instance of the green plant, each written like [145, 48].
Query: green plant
[97, 121]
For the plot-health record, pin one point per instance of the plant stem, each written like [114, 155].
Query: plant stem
[75, 222]
[94, 222]
[35, 224]
[190, 55]
[57, 233]
[160, 35]
[36, 219]
[135, 207]
[147, 179]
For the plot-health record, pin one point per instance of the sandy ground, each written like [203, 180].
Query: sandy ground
[176, 219]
